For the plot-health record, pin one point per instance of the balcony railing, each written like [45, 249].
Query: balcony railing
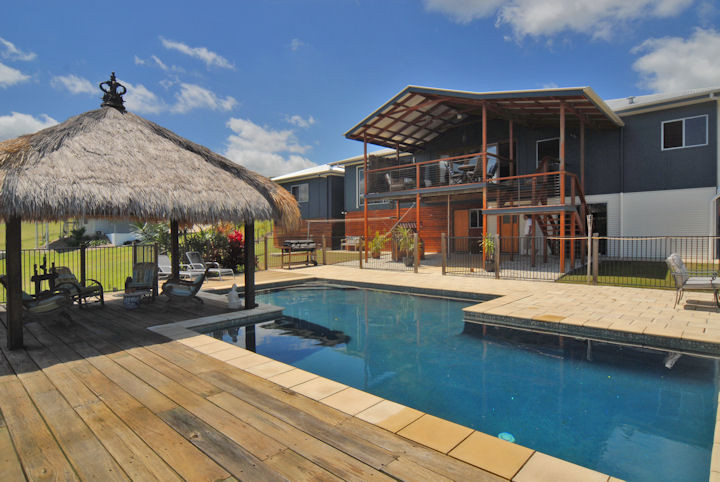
[430, 175]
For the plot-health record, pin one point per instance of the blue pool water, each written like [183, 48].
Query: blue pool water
[623, 413]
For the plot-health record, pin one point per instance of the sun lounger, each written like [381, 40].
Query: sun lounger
[197, 265]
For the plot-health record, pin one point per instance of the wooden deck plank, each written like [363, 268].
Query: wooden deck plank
[226, 452]
[345, 466]
[255, 442]
[88, 456]
[317, 451]
[295, 467]
[10, 467]
[136, 458]
[39, 453]
[186, 459]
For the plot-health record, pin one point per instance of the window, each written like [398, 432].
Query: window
[547, 147]
[476, 219]
[687, 132]
[361, 189]
[300, 192]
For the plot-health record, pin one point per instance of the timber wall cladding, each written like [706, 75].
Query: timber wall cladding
[433, 222]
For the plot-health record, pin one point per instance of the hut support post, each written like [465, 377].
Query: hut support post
[250, 265]
[14, 283]
[174, 250]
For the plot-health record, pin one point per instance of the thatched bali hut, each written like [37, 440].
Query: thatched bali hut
[110, 163]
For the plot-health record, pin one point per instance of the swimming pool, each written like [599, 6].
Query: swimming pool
[623, 413]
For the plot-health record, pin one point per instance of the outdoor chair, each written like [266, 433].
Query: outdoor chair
[182, 290]
[197, 265]
[165, 268]
[80, 293]
[45, 303]
[701, 281]
[142, 279]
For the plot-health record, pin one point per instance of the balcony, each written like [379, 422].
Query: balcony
[541, 192]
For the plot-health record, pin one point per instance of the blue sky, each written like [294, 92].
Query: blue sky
[274, 85]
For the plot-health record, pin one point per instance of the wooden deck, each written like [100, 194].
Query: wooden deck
[103, 398]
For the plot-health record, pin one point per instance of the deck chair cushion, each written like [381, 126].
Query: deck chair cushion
[678, 269]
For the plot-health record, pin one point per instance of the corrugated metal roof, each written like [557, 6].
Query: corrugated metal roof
[316, 171]
[417, 115]
[643, 101]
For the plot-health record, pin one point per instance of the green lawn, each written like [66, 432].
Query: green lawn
[28, 234]
[643, 274]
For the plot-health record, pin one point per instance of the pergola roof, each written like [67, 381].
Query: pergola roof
[417, 115]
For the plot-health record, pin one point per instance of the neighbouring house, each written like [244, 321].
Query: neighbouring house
[536, 161]
[319, 193]
[118, 232]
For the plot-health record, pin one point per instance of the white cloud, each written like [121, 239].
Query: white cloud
[10, 76]
[209, 57]
[464, 11]
[674, 64]
[139, 61]
[11, 52]
[75, 84]
[17, 124]
[596, 18]
[264, 150]
[298, 120]
[159, 62]
[296, 44]
[193, 96]
[141, 100]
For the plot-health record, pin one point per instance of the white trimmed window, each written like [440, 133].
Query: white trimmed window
[300, 192]
[685, 132]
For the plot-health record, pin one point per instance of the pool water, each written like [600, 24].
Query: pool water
[623, 413]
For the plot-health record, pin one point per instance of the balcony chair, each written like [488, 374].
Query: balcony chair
[143, 278]
[45, 303]
[182, 290]
[197, 265]
[702, 281]
[80, 293]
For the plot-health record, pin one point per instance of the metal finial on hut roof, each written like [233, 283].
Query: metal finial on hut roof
[113, 95]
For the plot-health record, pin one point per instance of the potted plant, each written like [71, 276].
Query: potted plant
[487, 244]
[377, 244]
[406, 242]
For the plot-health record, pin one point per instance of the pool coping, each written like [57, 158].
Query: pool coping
[505, 459]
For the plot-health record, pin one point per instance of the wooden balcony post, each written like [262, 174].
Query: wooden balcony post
[416, 252]
[365, 185]
[324, 250]
[595, 258]
[497, 256]
[443, 251]
[250, 265]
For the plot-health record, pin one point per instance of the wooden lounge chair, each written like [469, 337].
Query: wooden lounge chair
[182, 290]
[700, 281]
[143, 278]
[45, 303]
[92, 289]
[197, 265]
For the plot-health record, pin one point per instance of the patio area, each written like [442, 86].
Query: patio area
[103, 398]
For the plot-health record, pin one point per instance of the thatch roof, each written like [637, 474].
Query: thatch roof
[111, 164]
